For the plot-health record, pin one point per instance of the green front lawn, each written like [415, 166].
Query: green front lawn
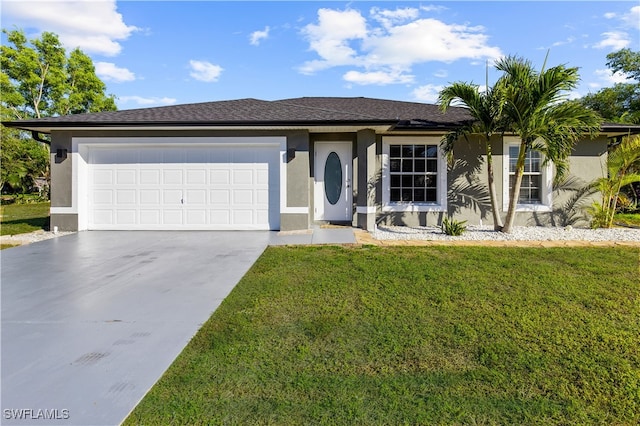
[627, 219]
[22, 218]
[442, 335]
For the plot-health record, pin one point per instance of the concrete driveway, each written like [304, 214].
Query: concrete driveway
[90, 321]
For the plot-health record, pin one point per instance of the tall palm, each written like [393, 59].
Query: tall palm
[537, 111]
[485, 108]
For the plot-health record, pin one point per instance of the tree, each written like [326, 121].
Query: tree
[536, 110]
[620, 103]
[23, 161]
[38, 80]
[486, 110]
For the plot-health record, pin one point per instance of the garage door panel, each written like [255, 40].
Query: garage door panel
[125, 196]
[196, 196]
[172, 217]
[262, 196]
[103, 217]
[149, 196]
[242, 177]
[172, 196]
[103, 177]
[150, 177]
[103, 196]
[150, 217]
[172, 177]
[197, 177]
[220, 217]
[126, 217]
[212, 187]
[242, 217]
[220, 177]
[220, 197]
[262, 177]
[242, 196]
[197, 217]
[262, 216]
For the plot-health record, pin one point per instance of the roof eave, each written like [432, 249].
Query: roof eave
[47, 127]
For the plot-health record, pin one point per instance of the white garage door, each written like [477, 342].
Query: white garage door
[211, 187]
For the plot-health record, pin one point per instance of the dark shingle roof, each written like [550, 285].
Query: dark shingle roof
[299, 111]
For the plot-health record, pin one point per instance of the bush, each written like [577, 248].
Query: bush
[453, 227]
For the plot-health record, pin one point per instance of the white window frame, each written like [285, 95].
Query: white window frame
[546, 182]
[441, 195]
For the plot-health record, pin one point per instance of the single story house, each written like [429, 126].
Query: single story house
[287, 165]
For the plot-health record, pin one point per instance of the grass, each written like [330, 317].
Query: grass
[627, 219]
[22, 218]
[442, 335]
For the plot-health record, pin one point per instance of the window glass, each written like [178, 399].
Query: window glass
[530, 189]
[413, 173]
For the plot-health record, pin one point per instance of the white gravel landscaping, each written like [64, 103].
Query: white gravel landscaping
[520, 233]
[31, 237]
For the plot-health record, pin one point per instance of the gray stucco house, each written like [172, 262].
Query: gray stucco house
[286, 165]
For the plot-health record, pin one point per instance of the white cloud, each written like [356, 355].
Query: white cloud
[205, 71]
[93, 26]
[568, 40]
[616, 40]
[139, 100]
[619, 39]
[110, 72]
[379, 78]
[389, 18]
[632, 19]
[330, 38]
[428, 93]
[609, 78]
[441, 73]
[347, 38]
[432, 8]
[258, 36]
[446, 43]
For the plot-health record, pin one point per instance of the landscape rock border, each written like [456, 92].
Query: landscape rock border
[30, 237]
[523, 236]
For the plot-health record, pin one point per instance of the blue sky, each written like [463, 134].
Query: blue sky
[153, 53]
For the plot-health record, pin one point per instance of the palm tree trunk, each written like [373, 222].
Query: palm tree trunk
[497, 220]
[514, 194]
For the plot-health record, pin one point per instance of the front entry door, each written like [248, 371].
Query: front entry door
[333, 193]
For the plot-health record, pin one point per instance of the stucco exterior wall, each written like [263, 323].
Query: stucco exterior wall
[468, 195]
[62, 209]
[298, 183]
[467, 192]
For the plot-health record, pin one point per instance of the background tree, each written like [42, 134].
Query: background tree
[37, 79]
[536, 110]
[620, 103]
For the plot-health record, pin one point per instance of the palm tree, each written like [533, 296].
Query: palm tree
[536, 109]
[485, 108]
[622, 163]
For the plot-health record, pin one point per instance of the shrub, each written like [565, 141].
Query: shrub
[453, 227]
